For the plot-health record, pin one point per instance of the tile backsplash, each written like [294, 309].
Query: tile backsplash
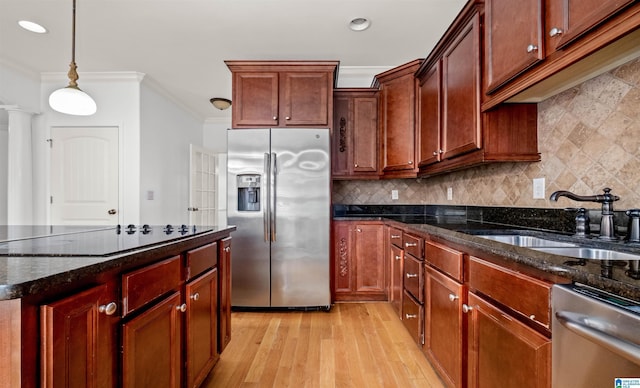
[588, 138]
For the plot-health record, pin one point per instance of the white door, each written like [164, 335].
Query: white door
[203, 187]
[84, 175]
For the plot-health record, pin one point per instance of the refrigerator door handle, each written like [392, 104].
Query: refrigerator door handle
[272, 203]
[265, 209]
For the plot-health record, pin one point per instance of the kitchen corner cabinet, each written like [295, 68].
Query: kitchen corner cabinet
[360, 269]
[354, 150]
[397, 121]
[270, 94]
[79, 339]
[453, 131]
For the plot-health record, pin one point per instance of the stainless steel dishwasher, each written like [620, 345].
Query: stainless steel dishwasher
[596, 338]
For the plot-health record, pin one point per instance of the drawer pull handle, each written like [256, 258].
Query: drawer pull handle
[195, 296]
[182, 308]
[108, 309]
[412, 275]
[410, 245]
[466, 308]
[453, 297]
[397, 257]
[395, 236]
[411, 316]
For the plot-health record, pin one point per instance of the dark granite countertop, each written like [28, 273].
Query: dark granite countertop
[461, 226]
[59, 255]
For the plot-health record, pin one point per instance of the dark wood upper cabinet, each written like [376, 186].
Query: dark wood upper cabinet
[513, 39]
[282, 93]
[397, 115]
[355, 140]
[568, 20]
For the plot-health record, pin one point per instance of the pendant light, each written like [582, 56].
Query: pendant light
[70, 99]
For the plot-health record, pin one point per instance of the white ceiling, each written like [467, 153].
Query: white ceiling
[181, 44]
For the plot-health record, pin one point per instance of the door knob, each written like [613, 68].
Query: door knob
[112, 211]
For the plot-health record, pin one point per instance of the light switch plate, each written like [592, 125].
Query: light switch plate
[538, 188]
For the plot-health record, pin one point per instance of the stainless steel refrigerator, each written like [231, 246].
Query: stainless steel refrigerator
[278, 184]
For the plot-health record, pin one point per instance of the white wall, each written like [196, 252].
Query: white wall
[166, 132]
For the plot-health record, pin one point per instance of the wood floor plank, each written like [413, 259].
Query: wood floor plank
[353, 345]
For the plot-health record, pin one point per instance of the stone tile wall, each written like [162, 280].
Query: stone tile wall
[588, 137]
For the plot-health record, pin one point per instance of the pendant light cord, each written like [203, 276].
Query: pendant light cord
[73, 73]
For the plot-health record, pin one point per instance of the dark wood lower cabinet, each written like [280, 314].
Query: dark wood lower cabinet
[152, 345]
[502, 351]
[79, 346]
[201, 329]
[444, 343]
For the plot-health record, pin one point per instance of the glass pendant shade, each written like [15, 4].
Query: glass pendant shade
[72, 101]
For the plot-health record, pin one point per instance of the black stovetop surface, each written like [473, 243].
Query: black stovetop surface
[88, 240]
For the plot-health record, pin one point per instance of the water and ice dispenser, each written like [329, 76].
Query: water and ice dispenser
[248, 192]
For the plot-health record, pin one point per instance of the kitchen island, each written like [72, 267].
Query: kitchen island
[125, 306]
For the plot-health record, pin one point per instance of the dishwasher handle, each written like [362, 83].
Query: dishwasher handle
[574, 323]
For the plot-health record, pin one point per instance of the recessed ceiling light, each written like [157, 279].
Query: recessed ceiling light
[359, 24]
[31, 26]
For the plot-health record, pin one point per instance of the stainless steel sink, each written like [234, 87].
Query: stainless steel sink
[526, 241]
[588, 253]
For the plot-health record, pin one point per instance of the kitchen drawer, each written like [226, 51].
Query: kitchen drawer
[395, 237]
[446, 259]
[201, 259]
[414, 277]
[413, 245]
[525, 295]
[148, 283]
[413, 317]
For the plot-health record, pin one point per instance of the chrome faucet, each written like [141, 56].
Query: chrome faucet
[607, 225]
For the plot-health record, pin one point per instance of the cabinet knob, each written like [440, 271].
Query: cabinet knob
[441, 151]
[227, 249]
[108, 309]
[275, 117]
[111, 211]
[411, 316]
[358, 230]
[555, 31]
[195, 296]
[412, 275]
[466, 308]
[453, 297]
[287, 118]
[397, 257]
[532, 48]
[355, 165]
[411, 162]
[435, 153]
[182, 308]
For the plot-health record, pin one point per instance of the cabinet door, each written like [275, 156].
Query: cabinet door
[224, 294]
[342, 137]
[255, 99]
[430, 118]
[443, 327]
[365, 135]
[152, 346]
[514, 39]
[398, 126]
[305, 99]
[570, 19]
[461, 130]
[79, 340]
[201, 327]
[503, 352]
[370, 263]
[397, 275]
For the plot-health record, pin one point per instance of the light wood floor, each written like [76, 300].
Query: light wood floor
[353, 345]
